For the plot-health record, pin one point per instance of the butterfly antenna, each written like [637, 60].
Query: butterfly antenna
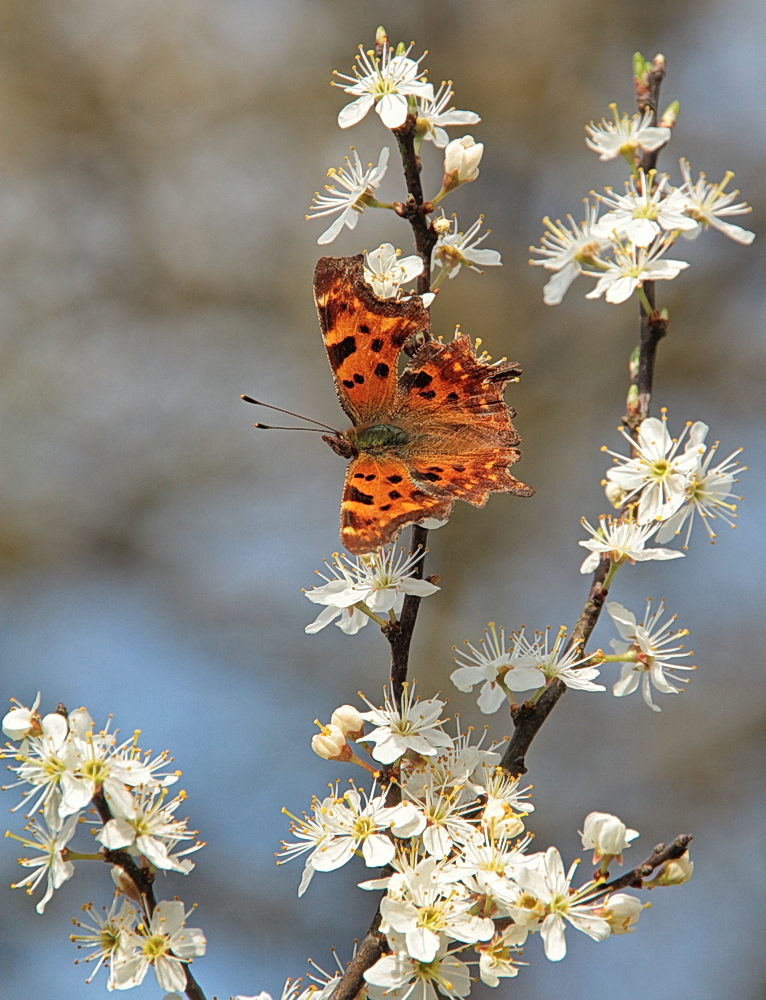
[272, 427]
[298, 416]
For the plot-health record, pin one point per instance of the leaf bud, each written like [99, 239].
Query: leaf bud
[670, 115]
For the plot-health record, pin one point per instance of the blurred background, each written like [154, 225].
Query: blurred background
[156, 161]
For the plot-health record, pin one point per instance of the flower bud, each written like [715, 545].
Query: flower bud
[331, 744]
[461, 162]
[621, 911]
[674, 872]
[607, 835]
[669, 115]
[349, 721]
[441, 226]
[125, 884]
[615, 494]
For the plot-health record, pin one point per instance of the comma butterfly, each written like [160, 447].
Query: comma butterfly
[437, 433]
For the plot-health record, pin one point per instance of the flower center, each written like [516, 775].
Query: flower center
[430, 917]
[155, 947]
[659, 469]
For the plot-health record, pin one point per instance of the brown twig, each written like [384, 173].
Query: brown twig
[415, 210]
[372, 947]
[528, 718]
[143, 882]
[660, 854]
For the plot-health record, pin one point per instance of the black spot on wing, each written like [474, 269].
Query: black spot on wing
[422, 379]
[452, 397]
[358, 497]
[376, 345]
[394, 479]
[428, 394]
[359, 379]
[382, 370]
[349, 384]
[339, 352]
[363, 328]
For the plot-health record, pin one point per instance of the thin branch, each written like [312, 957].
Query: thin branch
[415, 209]
[372, 947]
[632, 879]
[660, 854]
[529, 718]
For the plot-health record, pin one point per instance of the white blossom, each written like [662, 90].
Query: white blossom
[495, 959]
[707, 491]
[423, 912]
[656, 478]
[144, 821]
[607, 835]
[384, 82]
[358, 823]
[414, 726]
[379, 580]
[106, 936]
[631, 267]
[644, 210]
[453, 249]
[624, 135]
[399, 977]
[568, 250]
[51, 840]
[165, 943]
[646, 652]
[433, 116]
[494, 667]
[385, 271]
[358, 187]
[621, 539]
[548, 885]
[706, 204]
[559, 663]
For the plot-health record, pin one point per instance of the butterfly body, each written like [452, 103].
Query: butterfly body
[437, 433]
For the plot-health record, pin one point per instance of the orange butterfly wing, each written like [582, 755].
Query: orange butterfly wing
[462, 437]
[379, 498]
[363, 336]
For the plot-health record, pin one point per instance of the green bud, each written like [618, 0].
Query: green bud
[641, 68]
[401, 48]
[670, 115]
[381, 38]
[633, 364]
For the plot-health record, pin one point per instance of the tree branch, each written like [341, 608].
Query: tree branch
[372, 948]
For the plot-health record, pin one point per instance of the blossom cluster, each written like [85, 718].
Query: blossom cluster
[69, 771]
[396, 86]
[626, 246]
[459, 874]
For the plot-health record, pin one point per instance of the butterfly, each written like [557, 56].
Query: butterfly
[437, 433]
